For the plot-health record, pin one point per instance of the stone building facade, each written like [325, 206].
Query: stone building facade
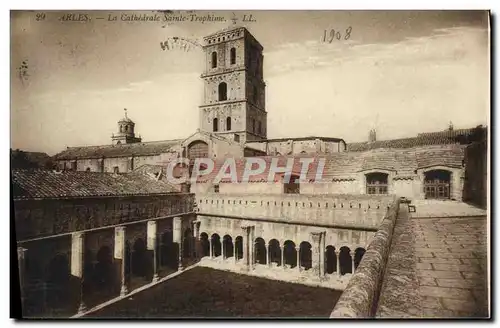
[233, 123]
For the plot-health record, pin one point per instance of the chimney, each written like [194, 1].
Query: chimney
[372, 137]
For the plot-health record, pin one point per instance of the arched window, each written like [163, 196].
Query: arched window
[222, 91]
[255, 94]
[376, 183]
[216, 125]
[259, 127]
[228, 123]
[214, 59]
[437, 184]
[233, 56]
[253, 125]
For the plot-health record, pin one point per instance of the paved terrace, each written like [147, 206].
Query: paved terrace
[436, 266]
[447, 244]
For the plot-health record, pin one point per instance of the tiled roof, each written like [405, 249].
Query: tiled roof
[433, 157]
[399, 143]
[29, 184]
[123, 150]
[422, 139]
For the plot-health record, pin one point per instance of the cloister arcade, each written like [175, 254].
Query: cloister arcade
[273, 253]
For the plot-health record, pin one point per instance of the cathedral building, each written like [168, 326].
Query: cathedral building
[233, 123]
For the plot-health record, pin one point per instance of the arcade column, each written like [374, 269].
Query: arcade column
[351, 253]
[245, 237]
[318, 253]
[152, 246]
[77, 264]
[21, 261]
[337, 257]
[177, 231]
[120, 254]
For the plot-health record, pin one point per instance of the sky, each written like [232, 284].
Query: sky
[400, 72]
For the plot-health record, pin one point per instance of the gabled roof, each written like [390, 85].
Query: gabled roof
[35, 184]
[122, 150]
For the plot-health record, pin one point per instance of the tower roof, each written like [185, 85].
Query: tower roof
[126, 119]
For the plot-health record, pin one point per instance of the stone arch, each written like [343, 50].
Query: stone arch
[197, 149]
[260, 251]
[222, 88]
[238, 244]
[331, 259]
[305, 255]
[358, 255]
[205, 244]
[216, 245]
[187, 243]
[139, 258]
[275, 252]
[228, 246]
[345, 260]
[57, 278]
[168, 250]
[290, 253]
[104, 268]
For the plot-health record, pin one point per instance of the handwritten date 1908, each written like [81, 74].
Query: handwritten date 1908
[336, 35]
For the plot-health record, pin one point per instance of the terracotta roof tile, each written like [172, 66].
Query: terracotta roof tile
[29, 184]
[123, 150]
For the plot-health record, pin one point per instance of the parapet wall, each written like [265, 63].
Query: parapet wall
[354, 211]
[360, 298]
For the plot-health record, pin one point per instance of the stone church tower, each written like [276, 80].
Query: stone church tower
[234, 98]
[126, 133]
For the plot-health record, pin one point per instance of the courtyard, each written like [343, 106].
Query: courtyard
[204, 292]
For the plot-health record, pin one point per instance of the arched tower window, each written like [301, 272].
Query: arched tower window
[216, 124]
[222, 91]
[228, 123]
[377, 183]
[214, 59]
[233, 56]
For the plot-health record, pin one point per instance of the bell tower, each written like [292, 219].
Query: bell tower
[126, 133]
[234, 103]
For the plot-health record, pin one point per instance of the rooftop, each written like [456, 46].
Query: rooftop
[36, 184]
[122, 150]
[422, 139]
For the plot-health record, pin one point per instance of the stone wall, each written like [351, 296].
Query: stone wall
[37, 218]
[476, 174]
[358, 211]
[360, 298]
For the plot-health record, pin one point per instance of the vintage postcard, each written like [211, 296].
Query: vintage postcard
[250, 164]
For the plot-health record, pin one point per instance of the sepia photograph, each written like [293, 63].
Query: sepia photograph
[254, 164]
